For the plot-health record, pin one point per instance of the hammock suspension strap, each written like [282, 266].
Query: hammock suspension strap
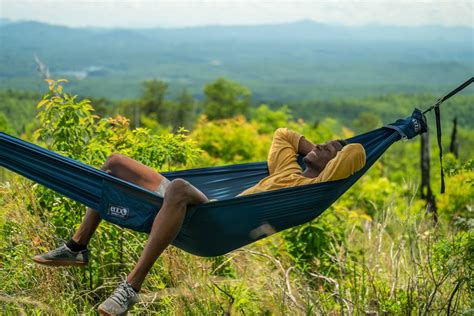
[438, 123]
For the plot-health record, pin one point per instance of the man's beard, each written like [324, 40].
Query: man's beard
[307, 162]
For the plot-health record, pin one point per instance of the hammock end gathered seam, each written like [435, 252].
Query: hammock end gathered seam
[410, 127]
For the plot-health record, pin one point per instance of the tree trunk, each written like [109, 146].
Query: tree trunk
[454, 146]
[426, 192]
[136, 115]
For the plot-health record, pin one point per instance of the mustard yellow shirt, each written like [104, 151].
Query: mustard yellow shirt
[284, 170]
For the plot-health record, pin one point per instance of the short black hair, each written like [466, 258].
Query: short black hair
[342, 142]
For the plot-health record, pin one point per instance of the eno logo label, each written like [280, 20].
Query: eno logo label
[416, 125]
[118, 211]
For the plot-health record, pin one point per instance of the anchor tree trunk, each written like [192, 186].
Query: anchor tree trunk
[426, 192]
[454, 145]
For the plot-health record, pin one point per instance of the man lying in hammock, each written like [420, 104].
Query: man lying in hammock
[333, 160]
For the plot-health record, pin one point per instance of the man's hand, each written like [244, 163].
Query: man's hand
[305, 146]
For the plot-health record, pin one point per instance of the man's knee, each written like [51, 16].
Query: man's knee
[114, 161]
[178, 190]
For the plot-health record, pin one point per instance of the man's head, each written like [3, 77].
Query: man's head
[318, 158]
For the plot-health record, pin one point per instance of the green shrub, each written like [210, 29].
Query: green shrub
[456, 206]
[313, 245]
[230, 140]
[70, 128]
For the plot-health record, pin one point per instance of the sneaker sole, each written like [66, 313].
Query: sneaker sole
[59, 263]
[103, 312]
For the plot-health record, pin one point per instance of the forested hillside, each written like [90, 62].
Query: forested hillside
[279, 63]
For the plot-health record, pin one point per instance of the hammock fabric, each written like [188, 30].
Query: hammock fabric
[209, 229]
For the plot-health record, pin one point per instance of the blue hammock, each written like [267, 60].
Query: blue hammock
[209, 229]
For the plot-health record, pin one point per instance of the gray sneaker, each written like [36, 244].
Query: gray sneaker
[120, 301]
[63, 256]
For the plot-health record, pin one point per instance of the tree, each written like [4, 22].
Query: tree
[153, 98]
[269, 120]
[128, 108]
[454, 145]
[367, 121]
[426, 192]
[182, 111]
[225, 98]
[5, 126]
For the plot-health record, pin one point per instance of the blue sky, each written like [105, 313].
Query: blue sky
[178, 13]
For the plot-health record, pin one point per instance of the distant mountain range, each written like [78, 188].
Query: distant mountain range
[279, 63]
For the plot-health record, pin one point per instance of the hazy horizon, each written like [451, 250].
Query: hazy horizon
[183, 14]
[229, 25]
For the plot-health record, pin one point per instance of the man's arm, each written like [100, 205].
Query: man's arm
[285, 146]
[304, 146]
[347, 162]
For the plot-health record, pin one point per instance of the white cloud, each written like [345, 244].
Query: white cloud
[146, 13]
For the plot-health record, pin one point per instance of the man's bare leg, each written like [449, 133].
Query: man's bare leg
[87, 228]
[165, 227]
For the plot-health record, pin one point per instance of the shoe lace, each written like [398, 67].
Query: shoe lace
[58, 251]
[122, 294]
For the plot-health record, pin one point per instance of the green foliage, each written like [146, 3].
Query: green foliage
[387, 107]
[374, 195]
[225, 98]
[454, 255]
[453, 166]
[153, 112]
[466, 143]
[18, 107]
[457, 206]
[312, 245]
[366, 121]
[69, 126]
[182, 112]
[153, 97]
[5, 125]
[230, 140]
[269, 120]
[221, 266]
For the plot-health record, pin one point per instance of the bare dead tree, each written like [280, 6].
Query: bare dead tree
[42, 68]
[454, 145]
[426, 192]
[136, 115]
